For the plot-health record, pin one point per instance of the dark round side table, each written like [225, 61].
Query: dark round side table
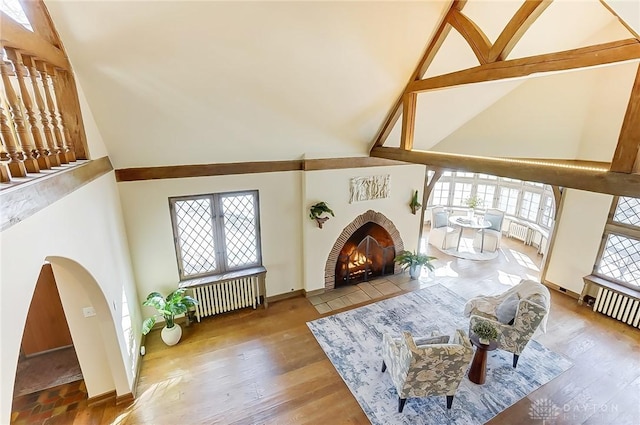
[478, 370]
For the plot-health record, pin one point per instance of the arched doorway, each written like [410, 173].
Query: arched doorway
[47, 356]
[92, 331]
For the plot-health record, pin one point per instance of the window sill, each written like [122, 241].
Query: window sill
[614, 286]
[236, 274]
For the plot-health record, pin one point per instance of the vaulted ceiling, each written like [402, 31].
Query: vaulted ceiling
[204, 82]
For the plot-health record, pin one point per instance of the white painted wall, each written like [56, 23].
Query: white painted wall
[629, 11]
[332, 187]
[86, 227]
[580, 228]
[95, 144]
[100, 359]
[607, 108]
[241, 81]
[146, 213]
[541, 118]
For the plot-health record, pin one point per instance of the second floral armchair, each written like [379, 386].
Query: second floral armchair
[427, 366]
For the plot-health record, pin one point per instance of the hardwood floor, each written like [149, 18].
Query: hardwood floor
[265, 367]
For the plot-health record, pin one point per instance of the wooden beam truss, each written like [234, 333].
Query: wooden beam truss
[601, 54]
[493, 66]
[626, 155]
[576, 177]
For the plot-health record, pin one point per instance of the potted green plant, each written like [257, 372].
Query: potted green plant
[485, 331]
[316, 211]
[414, 262]
[414, 204]
[174, 304]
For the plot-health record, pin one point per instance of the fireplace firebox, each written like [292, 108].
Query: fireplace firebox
[347, 242]
[367, 254]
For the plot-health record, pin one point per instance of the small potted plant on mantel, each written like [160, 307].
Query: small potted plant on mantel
[414, 262]
[174, 304]
[485, 331]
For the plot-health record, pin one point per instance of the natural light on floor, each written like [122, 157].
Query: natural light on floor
[523, 260]
[508, 279]
[445, 271]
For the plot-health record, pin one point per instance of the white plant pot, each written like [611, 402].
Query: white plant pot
[171, 336]
[484, 341]
[414, 271]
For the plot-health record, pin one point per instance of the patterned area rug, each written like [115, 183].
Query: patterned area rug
[46, 371]
[352, 341]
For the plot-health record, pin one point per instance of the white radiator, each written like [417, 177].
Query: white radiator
[619, 306]
[518, 231]
[221, 297]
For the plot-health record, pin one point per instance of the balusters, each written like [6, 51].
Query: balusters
[16, 167]
[57, 87]
[61, 149]
[5, 176]
[44, 119]
[24, 137]
[40, 150]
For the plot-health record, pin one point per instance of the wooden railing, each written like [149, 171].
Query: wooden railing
[40, 120]
[35, 136]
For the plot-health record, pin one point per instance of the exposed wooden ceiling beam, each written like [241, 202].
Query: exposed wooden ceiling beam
[626, 153]
[15, 35]
[430, 53]
[557, 197]
[616, 51]
[596, 165]
[589, 179]
[515, 29]
[409, 104]
[477, 40]
[428, 187]
[39, 19]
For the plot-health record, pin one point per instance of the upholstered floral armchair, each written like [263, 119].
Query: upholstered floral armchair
[426, 366]
[516, 314]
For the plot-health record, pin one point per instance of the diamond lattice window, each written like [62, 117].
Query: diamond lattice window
[628, 211]
[240, 230]
[216, 233]
[194, 226]
[620, 259]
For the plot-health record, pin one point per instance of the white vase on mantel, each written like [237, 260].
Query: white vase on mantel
[171, 336]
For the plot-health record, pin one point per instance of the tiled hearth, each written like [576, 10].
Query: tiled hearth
[345, 296]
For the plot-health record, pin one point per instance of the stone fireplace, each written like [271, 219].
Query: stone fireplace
[364, 250]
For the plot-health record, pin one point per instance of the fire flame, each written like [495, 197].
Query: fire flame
[358, 260]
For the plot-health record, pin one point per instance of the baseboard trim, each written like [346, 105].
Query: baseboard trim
[285, 296]
[560, 289]
[102, 398]
[314, 293]
[124, 399]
